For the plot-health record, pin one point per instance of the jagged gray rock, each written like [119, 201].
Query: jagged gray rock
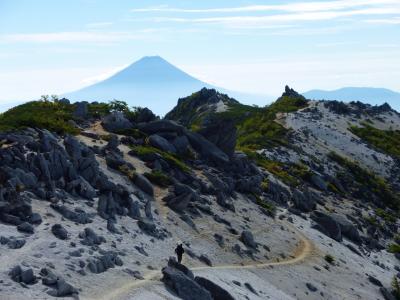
[327, 225]
[184, 286]
[217, 292]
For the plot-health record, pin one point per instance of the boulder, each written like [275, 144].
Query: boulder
[185, 270]
[25, 276]
[144, 184]
[348, 229]
[249, 184]
[221, 132]
[206, 149]
[327, 225]
[113, 143]
[63, 289]
[16, 243]
[318, 182]
[59, 231]
[161, 143]
[80, 187]
[205, 259]
[25, 227]
[161, 126]
[147, 210]
[375, 281]
[181, 144]
[134, 209]
[217, 292]
[305, 202]
[35, 218]
[178, 203]
[144, 115]
[311, 287]
[101, 264]
[147, 226]
[116, 121]
[114, 160]
[15, 273]
[248, 239]
[387, 294]
[90, 238]
[184, 286]
[77, 215]
[28, 277]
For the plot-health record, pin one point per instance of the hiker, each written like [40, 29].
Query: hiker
[179, 252]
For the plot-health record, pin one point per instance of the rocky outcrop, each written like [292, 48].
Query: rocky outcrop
[207, 150]
[198, 105]
[116, 121]
[161, 143]
[161, 126]
[348, 229]
[221, 132]
[217, 292]
[248, 239]
[327, 225]
[177, 278]
[304, 201]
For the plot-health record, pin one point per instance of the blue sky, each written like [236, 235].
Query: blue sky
[51, 47]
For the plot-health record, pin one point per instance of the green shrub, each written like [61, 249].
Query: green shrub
[147, 151]
[129, 172]
[269, 207]
[387, 141]
[274, 167]
[387, 216]
[396, 288]
[372, 220]
[258, 130]
[265, 185]
[98, 110]
[394, 248]
[333, 188]
[133, 132]
[53, 116]
[375, 184]
[159, 178]
[329, 259]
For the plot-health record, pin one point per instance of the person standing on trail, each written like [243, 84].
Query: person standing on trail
[179, 252]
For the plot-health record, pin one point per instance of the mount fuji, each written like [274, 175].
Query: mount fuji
[154, 83]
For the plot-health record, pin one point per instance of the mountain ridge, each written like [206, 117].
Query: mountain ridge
[370, 95]
[152, 82]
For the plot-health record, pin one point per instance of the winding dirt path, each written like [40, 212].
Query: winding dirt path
[303, 251]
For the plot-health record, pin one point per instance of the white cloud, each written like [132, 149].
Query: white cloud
[290, 7]
[389, 21]
[262, 21]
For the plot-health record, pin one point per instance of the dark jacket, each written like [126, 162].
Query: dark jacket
[179, 250]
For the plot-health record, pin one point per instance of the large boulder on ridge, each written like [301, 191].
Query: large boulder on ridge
[184, 286]
[116, 121]
[206, 149]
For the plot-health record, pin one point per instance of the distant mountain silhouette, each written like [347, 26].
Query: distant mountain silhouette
[154, 83]
[374, 96]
